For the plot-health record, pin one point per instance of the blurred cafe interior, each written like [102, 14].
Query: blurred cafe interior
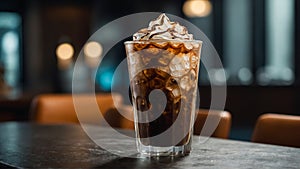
[258, 42]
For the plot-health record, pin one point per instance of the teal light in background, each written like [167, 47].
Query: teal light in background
[10, 45]
[9, 20]
[237, 41]
[10, 42]
[104, 79]
[280, 24]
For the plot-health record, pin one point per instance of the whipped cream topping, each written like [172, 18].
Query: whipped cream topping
[163, 28]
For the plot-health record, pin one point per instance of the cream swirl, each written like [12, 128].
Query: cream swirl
[163, 28]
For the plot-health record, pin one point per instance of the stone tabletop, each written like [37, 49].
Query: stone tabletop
[29, 145]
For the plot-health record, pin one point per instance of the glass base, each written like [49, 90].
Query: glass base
[153, 151]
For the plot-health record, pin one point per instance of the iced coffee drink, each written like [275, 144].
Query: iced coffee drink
[163, 62]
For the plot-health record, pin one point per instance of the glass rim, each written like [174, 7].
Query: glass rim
[163, 40]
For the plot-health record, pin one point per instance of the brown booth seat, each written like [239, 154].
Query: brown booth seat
[277, 129]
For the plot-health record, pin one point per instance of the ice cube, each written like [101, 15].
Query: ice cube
[157, 83]
[192, 75]
[176, 107]
[176, 92]
[188, 46]
[140, 85]
[174, 51]
[165, 58]
[139, 46]
[149, 73]
[146, 59]
[162, 74]
[135, 59]
[164, 68]
[186, 61]
[179, 65]
[171, 84]
[176, 44]
[173, 106]
[196, 45]
[142, 104]
[184, 83]
[151, 51]
[160, 45]
[194, 61]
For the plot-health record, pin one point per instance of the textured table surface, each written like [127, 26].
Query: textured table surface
[27, 145]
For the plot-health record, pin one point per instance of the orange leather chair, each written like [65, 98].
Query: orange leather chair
[59, 108]
[277, 129]
[223, 128]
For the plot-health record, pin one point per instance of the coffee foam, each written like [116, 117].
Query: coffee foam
[163, 28]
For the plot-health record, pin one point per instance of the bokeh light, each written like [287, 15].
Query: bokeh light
[10, 42]
[245, 76]
[197, 8]
[93, 49]
[65, 51]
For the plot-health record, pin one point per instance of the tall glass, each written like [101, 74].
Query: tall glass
[163, 80]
